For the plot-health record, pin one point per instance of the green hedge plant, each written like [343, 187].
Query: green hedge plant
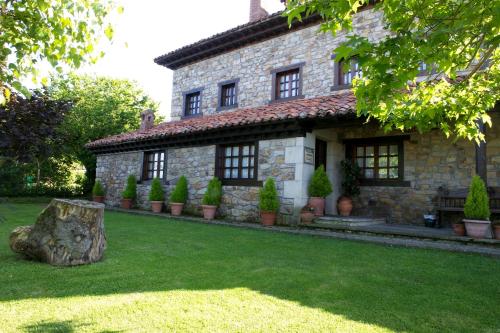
[268, 197]
[97, 189]
[477, 202]
[213, 194]
[350, 178]
[130, 191]
[156, 192]
[180, 192]
[320, 185]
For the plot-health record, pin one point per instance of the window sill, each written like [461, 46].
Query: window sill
[242, 182]
[224, 108]
[279, 100]
[384, 182]
[340, 87]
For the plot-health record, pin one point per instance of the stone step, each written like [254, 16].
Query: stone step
[348, 221]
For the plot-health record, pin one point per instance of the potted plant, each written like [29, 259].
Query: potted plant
[458, 228]
[156, 196]
[350, 186]
[211, 199]
[179, 196]
[129, 194]
[98, 192]
[318, 189]
[307, 214]
[477, 210]
[268, 202]
[496, 229]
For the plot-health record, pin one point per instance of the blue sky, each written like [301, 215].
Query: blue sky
[149, 28]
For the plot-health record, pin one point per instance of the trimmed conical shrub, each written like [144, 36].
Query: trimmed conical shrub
[213, 193]
[180, 192]
[130, 191]
[156, 193]
[477, 205]
[97, 190]
[268, 197]
[320, 185]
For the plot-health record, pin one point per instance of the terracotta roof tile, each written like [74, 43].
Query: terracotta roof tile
[313, 108]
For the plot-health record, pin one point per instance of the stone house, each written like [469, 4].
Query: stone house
[265, 100]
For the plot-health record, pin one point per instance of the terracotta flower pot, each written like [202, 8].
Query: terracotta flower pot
[156, 206]
[306, 217]
[458, 229]
[267, 218]
[496, 231]
[99, 198]
[176, 208]
[126, 203]
[478, 228]
[209, 211]
[345, 206]
[318, 204]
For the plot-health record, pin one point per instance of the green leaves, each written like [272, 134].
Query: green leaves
[457, 40]
[64, 33]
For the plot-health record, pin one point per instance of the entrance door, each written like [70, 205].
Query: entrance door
[320, 156]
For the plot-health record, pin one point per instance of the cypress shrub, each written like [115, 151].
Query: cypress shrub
[97, 189]
[268, 197]
[130, 191]
[180, 192]
[156, 192]
[213, 193]
[320, 185]
[350, 178]
[477, 202]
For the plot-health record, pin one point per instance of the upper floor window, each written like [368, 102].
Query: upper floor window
[228, 95]
[287, 82]
[237, 163]
[344, 73]
[192, 103]
[154, 163]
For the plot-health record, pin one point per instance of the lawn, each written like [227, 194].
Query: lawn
[165, 275]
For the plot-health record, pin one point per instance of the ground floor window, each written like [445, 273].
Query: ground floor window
[381, 160]
[154, 163]
[237, 163]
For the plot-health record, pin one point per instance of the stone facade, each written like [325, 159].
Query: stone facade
[239, 203]
[253, 65]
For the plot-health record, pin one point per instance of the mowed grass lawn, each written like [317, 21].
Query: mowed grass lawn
[165, 275]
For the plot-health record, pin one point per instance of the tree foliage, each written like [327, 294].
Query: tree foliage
[59, 32]
[477, 204]
[458, 39]
[101, 107]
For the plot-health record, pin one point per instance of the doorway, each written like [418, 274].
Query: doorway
[320, 155]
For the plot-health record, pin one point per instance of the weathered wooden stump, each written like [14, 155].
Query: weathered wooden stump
[66, 233]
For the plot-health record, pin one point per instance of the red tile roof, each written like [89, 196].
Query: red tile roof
[313, 108]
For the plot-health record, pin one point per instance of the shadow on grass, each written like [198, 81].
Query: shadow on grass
[52, 327]
[400, 289]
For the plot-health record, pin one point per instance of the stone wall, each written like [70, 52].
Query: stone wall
[239, 203]
[253, 64]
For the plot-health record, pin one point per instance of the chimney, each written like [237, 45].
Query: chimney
[256, 11]
[147, 119]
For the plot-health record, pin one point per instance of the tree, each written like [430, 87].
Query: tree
[60, 32]
[458, 39]
[100, 107]
[29, 128]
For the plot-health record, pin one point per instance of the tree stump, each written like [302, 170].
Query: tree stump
[66, 233]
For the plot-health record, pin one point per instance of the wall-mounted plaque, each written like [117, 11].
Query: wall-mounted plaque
[309, 155]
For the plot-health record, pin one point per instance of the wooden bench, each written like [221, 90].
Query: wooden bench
[454, 200]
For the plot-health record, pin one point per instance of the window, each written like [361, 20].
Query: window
[154, 163]
[380, 160]
[228, 95]
[237, 163]
[287, 83]
[192, 103]
[346, 75]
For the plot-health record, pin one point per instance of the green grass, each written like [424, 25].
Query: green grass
[164, 275]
